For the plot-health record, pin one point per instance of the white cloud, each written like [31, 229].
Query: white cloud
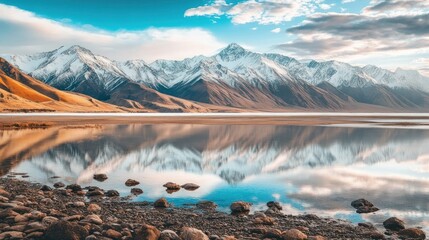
[259, 11]
[276, 30]
[208, 10]
[325, 6]
[24, 32]
[347, 1]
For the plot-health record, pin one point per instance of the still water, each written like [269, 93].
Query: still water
[309, 169]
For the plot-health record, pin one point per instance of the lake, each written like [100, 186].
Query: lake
[309, 169]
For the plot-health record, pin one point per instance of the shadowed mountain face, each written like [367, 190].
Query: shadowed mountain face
[295, 165]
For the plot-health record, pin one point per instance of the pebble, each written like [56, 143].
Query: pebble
[188, 233]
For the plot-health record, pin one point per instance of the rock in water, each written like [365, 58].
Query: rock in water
[65, 231]
[275, 205]
[394, 224]
[293, 234]
[147, 232]
[190, 186]
[74, 187]
[100, 177]
[136, 191]
[207, 205]
[189, 233]
[364, 206]
[131, 183]
[240, 207]
[172, 186]
[59, 185]
[412, 233]
[46, 188]
[169, 235]
[161, 203]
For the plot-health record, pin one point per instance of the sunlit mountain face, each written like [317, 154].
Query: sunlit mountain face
[309, 169]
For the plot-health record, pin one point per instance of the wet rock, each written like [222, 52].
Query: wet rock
[77, 204]
[172, 186]
[74, 188]
[113, 234]
[95, 193]
[366, 225]
[7, 213]
[394, 224]
[65, 231]
[112, 193]
[206, 205]
[12, 235]
[190, 186]
[73, 218]
[161, 203]
[136, 191]
[20, 218]
[131, 183]
[46, 188]
[34, 226]
[147, 232]
[95, 219]
[59, 185]
[4, 199]
[169, 235]
[412, 233]
[240, 207]
[376, 235]
[215, 237]
[100, 177]
[93, 208]
[34, 235]
[188, 233]
[293, 234]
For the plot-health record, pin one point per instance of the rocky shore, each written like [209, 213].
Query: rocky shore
[33, 211]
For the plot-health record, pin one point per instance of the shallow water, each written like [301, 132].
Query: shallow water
[310, 169]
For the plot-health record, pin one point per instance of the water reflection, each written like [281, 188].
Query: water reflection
[309, 169]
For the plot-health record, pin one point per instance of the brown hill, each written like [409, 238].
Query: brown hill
[20, 92]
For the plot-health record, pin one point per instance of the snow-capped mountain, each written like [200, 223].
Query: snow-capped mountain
[234, 77]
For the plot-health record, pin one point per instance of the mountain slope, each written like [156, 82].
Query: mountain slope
[20, 91]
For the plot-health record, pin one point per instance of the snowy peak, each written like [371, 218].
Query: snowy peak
[232, 52]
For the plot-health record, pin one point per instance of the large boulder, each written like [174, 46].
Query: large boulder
[172, 186]
[190, 186]
[412, 233]
[394, 224]
[65, 231]
[136, 191]
[147, 232]
[74, 188]
[240, 207]
[189, 233]
[112, 193]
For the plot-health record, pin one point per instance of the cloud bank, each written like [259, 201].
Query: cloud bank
[24, 32]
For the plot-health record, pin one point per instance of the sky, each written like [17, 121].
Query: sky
[386, 33]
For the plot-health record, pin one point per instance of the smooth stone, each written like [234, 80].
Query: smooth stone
[100, 177]
[74, 187]
[188, 233]
[293, 234]
[169, 235]
[93, 208]
[95, 193]
[361, 203]
[190, 186]
[412, 233]
[12, 235]
[136, 191]
[172, 186]
[95, 219]
[113, 234]
[131, 183]
[147, 232]
[49, 220]
[46, 188]
[4, 193]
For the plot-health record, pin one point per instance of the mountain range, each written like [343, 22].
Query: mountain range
[235, 79]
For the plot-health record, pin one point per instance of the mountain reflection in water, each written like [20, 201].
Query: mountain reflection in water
[309, 169]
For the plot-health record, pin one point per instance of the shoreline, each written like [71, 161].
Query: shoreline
[29, 210]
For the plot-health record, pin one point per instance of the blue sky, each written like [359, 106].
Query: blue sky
[176, 29]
